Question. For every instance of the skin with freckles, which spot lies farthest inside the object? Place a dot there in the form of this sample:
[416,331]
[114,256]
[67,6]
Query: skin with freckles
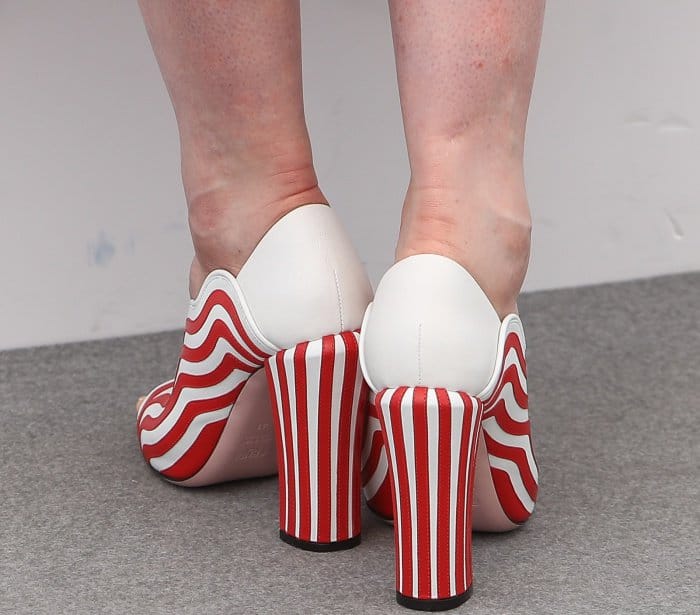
[233,72]
[465,71]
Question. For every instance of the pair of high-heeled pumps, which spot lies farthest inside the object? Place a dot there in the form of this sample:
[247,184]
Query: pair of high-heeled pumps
[420,397]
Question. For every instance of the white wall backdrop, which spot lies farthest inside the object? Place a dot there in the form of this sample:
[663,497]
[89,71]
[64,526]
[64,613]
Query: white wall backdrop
[93,237]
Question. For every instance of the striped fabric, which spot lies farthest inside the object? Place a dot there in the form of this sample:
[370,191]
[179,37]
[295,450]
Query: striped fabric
[506,428]
[319,408]
[375,465]
[180,422]
[431,438]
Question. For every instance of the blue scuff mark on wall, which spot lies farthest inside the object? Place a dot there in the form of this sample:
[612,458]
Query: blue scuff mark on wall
[101,251]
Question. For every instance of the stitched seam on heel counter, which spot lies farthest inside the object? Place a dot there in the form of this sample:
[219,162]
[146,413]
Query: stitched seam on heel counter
[340,300]
[420,348]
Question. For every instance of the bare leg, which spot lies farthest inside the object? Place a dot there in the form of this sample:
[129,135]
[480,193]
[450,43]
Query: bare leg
[233,71]
[465,74]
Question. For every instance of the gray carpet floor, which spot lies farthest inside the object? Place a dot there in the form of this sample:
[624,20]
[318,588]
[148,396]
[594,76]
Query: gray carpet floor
[614,371]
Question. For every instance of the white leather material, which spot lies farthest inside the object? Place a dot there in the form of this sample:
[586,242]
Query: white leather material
[431,325]
[304,279]
[510,324]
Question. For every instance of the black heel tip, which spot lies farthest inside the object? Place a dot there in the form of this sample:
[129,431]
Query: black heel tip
[436,604]
[320,547]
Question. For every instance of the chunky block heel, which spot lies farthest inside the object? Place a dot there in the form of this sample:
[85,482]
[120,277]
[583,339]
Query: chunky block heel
[318,399]
[431,437]
[506,476]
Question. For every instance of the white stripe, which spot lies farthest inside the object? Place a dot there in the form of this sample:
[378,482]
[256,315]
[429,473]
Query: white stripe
[243,312]
[511,468]
[167,389]
[291,389]
[313,384]
[513,359]
[280,413]
[493,429]
[467,411]
[154,409]
[217,312]
[377,479]
[472,411]
[371,427]
[409,446]
[338,372]
[457,403]
[433,429]
[455,441]
[222,349]
[386,399]
[515,412]
[353,438]
[188,394]
[196,308]
[185,442]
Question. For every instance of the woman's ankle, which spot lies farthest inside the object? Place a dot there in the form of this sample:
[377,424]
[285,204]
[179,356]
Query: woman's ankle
[486,231]
[229,211]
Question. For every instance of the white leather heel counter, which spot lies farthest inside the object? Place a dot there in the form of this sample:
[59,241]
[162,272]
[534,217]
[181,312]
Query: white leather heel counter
[304,279]
[430,324]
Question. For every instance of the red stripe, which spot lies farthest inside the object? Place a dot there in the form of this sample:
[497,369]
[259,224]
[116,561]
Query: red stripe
[510,375]
[325,399]
[507,424]
[443,496]
[401,470]
[376,444]
[473,412]
[355,471]
[155,393]
[382,502]
[223,371]
[161,399]
[191,412]
[158,396]
[219,330]
[290,521]
[390,475]
[513,343]
[198,454]
[344,437]
[304,530]
[516,455]
[272,388]
[423,512]
[510,502]
[376,448]
[219,297]
[461,538]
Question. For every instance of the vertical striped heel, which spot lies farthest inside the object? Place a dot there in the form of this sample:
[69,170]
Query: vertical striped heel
[318,398]
[431,436]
